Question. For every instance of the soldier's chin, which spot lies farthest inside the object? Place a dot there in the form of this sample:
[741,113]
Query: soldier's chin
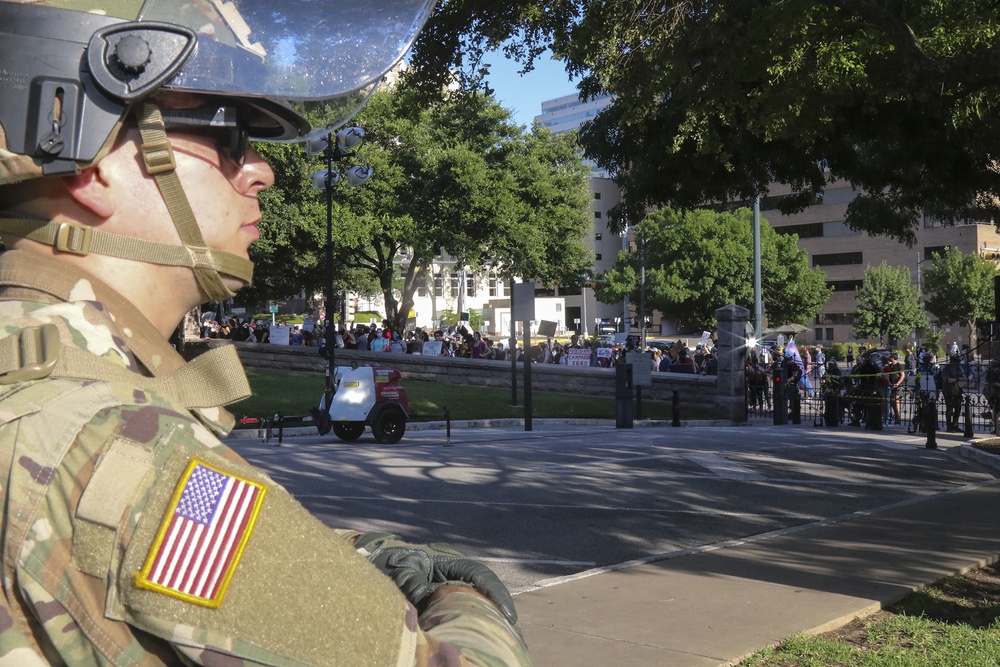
[234,284]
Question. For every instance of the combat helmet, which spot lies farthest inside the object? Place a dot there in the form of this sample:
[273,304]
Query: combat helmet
[72,70]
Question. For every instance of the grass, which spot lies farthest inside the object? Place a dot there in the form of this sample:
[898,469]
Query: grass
[953,622]
[297,393]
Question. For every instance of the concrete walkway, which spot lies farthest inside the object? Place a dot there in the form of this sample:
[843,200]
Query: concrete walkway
[719,604]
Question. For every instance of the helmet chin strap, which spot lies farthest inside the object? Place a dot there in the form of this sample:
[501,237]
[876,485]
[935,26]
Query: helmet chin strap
[208,264]
[158,160]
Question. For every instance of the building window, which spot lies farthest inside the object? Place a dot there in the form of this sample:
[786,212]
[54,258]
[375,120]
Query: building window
[597,215]
[838,259]
[845,285]
[598,257]
[774,202]
[835,318]
[935,250]
[438,284]
[453,284]
[809,231]
[598,237]
[493,285]
[470,285]
[819,334]
[597,195]
[829,333]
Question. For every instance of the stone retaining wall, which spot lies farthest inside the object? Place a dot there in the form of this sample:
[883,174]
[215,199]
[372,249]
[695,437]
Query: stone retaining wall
[694,390]
[724,395]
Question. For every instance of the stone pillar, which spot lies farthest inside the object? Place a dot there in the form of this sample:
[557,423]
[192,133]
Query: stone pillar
[731,349]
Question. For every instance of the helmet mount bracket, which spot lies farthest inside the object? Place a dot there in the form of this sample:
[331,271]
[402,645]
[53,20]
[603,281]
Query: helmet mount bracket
[129,61]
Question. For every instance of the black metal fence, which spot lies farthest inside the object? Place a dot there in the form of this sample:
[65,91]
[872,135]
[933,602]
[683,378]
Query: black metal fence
[860,400]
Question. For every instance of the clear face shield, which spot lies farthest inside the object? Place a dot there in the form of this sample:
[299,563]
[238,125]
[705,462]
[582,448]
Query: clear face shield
[325,56]
[70,71]
[72,68]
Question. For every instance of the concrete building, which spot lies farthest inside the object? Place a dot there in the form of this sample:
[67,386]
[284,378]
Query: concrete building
[843,255]
[585,314]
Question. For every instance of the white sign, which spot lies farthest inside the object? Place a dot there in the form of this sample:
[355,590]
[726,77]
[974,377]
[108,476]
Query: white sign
[578,356]
[309,324]
[432,348]
[642,367]
[705,335]
[279,335]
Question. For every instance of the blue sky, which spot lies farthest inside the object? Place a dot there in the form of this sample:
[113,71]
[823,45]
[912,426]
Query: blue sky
[524,95]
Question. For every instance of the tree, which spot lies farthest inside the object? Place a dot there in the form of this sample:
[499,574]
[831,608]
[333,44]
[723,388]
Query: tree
[715,100]
[699,261]
[959,288]
[455,176]
[887,304]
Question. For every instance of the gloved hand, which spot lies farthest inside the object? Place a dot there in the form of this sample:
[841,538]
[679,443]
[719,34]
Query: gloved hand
[420,569]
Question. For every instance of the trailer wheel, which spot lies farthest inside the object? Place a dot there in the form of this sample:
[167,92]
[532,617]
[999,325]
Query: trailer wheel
[348,431]
[390,425]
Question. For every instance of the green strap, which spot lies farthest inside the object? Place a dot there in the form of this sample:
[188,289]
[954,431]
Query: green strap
[212,379]
[81,240]
[159,161]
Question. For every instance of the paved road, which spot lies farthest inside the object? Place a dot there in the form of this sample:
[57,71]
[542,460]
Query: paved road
[561,500]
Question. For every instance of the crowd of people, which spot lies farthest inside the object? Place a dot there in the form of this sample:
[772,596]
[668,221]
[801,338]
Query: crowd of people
[877,376]
[463,342]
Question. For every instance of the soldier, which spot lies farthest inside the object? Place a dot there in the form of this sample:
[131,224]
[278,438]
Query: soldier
[128,195]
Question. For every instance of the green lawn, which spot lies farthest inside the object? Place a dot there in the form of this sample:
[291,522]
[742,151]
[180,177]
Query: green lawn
[297,393]
[950,623]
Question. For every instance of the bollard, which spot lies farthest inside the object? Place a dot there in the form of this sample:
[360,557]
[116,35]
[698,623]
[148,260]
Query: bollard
[780,413]
[447,422]
[968,418]
[675,404]
[795,401]
[832,413]
[873,415]
[930,423]
[280,421]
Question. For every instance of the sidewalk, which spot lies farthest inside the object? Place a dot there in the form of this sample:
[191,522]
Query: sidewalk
[718,605]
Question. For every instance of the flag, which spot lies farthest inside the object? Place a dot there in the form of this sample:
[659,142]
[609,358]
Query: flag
[792,350]
[201,539]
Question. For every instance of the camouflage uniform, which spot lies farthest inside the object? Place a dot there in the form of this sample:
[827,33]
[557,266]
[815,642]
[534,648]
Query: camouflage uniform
[96,470]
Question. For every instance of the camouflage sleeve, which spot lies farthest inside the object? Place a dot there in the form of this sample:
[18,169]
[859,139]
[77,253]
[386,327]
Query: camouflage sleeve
[142,538]
[468,621]
[472,622]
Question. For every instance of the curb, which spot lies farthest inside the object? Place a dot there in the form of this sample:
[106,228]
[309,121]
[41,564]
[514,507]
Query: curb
[970,451]
[507,422]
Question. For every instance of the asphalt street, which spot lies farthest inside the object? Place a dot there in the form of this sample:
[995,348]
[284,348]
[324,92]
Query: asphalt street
[557,501]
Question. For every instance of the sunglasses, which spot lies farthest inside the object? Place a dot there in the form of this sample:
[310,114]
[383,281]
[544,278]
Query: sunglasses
[224,123]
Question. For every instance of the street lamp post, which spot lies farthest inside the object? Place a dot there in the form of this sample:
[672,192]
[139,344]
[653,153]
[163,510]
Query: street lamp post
[334,147]
[758,299]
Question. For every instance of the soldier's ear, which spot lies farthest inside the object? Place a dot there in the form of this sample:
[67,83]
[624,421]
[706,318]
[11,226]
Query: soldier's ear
[91,189]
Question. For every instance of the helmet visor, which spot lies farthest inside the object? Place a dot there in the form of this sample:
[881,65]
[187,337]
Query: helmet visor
[323,56]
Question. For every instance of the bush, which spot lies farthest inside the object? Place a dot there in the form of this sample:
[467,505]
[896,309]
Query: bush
[836,351]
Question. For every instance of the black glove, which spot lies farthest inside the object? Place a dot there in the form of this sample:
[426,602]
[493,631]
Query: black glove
[420,569]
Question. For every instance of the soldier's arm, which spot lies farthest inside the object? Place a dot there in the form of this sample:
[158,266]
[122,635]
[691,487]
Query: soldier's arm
[271,585]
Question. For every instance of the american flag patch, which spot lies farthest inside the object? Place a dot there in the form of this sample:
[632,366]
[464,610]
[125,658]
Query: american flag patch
[201,539]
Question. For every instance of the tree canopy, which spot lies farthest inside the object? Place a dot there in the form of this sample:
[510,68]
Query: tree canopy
[959,288]
[887,304]
[455,176]
[697,261]
[714,100]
